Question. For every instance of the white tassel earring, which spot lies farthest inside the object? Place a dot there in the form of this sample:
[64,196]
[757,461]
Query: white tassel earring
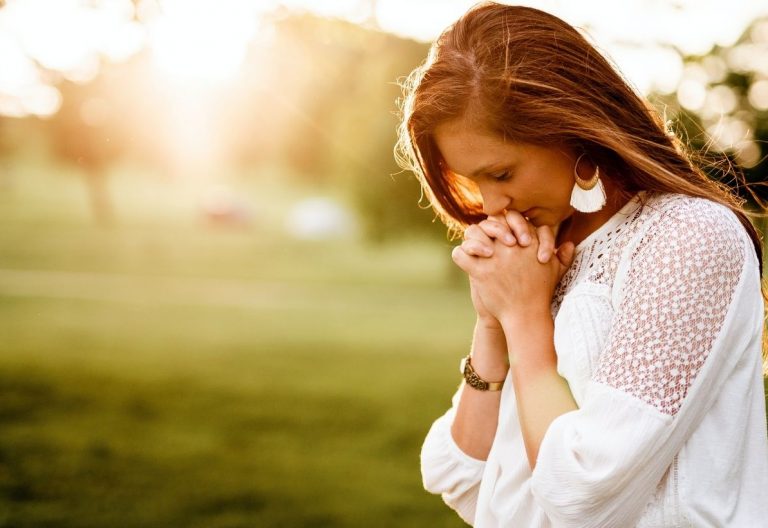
[588,196]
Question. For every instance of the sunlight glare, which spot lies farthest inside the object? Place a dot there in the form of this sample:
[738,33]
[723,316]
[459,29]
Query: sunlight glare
[68,41]
[196,41]
[727,132]
[70,35]
[22,91]
[692,94]
[758,95]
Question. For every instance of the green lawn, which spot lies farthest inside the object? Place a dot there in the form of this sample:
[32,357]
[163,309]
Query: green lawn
[119,414]
[168,373]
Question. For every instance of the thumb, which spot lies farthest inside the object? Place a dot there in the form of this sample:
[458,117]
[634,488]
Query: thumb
[565,254]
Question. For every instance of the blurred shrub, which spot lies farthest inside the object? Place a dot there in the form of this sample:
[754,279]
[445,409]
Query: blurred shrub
[721,108]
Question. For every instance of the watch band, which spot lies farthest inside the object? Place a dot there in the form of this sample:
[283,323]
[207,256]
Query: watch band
[475,381]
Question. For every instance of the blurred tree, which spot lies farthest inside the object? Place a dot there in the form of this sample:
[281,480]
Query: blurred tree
[56,73]
[721,106]
[325,91]
[84,133]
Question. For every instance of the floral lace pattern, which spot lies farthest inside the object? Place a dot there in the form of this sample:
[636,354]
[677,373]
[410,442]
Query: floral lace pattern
[597,263]
[677,291]
[687,257]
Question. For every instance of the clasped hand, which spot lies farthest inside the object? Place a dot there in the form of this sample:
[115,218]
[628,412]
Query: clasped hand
[512,274]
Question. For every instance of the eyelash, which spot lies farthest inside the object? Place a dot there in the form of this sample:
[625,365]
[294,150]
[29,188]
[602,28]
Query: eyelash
[501,176]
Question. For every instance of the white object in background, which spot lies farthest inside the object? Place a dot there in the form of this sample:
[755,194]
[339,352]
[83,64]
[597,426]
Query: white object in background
[320,218]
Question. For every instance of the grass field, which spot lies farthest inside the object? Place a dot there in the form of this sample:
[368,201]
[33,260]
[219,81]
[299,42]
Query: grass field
[167,373]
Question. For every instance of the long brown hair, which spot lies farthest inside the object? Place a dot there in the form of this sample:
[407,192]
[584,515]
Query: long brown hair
[528,76]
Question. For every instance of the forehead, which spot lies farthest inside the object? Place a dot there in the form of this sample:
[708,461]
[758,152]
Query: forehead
[466,149]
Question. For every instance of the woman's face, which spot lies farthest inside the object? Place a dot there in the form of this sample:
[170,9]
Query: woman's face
[535,181]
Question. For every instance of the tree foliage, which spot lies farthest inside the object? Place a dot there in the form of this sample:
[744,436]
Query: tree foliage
[721,110]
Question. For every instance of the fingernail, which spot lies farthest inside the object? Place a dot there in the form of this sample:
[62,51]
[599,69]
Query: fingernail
[526,238]
[509,239]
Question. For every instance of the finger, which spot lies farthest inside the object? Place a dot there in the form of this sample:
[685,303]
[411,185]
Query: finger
[476,248]
[469,230]
[546,243]
[475,232]
[461,258]
[565,254]
[520,227]
[499,230]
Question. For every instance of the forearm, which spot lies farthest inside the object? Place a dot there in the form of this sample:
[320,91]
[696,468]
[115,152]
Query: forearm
[477,414]
[541,393]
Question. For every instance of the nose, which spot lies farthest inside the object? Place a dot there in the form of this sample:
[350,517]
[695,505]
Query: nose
[494,201]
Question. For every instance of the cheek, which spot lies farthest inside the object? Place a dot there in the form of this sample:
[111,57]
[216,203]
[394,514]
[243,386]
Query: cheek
[558,195]
[564,188]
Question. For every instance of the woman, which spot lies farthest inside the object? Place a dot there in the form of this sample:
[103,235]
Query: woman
[615,376]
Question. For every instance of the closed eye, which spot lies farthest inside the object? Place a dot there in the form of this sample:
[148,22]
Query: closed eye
[501,176]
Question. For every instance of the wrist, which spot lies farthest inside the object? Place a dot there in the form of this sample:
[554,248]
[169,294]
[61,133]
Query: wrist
[489,352]
[488,368]
[530,342]
[524,322]
[489,323]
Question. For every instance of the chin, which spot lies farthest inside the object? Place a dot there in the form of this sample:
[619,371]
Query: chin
[546,220]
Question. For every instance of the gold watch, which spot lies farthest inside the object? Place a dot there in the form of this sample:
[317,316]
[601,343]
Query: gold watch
[475,381]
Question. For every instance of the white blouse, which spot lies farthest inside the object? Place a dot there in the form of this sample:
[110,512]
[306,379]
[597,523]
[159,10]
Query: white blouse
[658,327]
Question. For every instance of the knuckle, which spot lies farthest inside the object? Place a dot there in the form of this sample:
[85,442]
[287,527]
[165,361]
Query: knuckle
[469,247]
[490,225]
[514,215]
[471,231]
[488,231]
[496,217]
[520,225]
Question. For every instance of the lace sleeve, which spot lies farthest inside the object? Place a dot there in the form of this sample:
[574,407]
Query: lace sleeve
[685,312]
[677,291]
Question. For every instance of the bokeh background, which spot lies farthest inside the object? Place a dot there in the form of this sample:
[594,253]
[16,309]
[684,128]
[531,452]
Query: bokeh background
[221,303]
